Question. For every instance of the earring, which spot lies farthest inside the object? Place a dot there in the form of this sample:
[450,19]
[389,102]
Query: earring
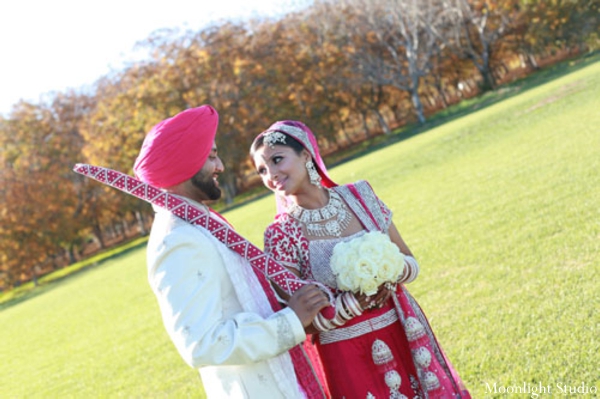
[313,175]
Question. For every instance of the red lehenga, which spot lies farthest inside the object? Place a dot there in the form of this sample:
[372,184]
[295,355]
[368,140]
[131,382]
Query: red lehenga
[384,353]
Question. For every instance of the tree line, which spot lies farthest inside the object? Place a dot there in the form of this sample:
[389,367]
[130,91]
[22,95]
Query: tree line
[350,69]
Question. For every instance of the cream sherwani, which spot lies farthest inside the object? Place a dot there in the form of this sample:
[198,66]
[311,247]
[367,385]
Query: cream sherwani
[217,315]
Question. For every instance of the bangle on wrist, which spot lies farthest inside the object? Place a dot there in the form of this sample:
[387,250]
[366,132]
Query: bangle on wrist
[352,304]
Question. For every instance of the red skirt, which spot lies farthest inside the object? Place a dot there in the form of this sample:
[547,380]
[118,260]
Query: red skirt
[388,352]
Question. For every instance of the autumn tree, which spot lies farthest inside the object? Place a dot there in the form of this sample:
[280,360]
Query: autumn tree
[476,31]
[312,74]
[347,68]
[391,42]
[543,27]
[41,214]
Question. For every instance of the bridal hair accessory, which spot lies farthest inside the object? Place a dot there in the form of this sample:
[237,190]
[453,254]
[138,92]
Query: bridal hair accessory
[329,220]
[313,175]
[197,216]
[272,138]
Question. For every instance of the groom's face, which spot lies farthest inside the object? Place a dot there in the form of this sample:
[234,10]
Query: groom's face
[206,178]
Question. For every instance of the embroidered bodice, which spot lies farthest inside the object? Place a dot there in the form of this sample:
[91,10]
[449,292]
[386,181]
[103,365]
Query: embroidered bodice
[287,243]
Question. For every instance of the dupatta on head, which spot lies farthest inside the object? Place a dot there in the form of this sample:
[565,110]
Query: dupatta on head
[304,136]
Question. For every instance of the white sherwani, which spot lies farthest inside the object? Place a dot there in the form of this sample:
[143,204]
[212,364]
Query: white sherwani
[217,315]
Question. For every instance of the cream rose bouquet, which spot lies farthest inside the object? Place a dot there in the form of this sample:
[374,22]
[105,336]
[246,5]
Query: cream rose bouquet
[364,263]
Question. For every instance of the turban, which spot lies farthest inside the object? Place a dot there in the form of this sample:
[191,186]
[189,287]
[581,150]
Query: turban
[177,148]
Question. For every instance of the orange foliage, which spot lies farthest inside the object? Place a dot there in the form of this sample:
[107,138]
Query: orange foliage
[333,65]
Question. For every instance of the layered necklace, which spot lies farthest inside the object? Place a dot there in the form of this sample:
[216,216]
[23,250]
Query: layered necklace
[329,220]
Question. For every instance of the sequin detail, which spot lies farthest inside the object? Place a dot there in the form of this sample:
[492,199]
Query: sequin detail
[381,353]
[285,334]
[414,329]
[362,328]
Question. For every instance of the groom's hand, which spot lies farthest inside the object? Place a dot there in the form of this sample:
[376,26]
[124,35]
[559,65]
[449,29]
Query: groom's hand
[307,302]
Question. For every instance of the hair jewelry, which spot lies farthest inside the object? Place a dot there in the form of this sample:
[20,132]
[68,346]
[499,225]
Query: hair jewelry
[273,137]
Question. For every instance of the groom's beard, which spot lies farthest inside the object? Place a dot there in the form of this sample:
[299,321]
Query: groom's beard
[207,185]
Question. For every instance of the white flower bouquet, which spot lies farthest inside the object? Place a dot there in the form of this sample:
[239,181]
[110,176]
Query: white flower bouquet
[364,263]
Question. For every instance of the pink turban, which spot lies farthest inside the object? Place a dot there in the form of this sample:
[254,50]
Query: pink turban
[177,148]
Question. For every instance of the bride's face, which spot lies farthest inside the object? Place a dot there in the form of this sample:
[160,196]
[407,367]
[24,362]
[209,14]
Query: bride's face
[282,169]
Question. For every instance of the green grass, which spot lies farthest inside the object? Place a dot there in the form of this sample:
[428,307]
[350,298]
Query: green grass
[96,334]
[500,206]
[29,289]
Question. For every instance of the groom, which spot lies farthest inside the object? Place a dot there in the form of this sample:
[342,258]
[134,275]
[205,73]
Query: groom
[222,317]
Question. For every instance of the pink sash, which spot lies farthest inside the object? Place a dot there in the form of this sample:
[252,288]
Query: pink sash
[187,211]
[263,265]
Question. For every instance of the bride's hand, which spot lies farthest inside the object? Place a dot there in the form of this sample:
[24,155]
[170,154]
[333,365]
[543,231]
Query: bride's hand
[384,293]
[363,300]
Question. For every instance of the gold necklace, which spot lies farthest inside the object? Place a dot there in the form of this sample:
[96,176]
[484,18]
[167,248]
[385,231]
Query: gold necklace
[329,220]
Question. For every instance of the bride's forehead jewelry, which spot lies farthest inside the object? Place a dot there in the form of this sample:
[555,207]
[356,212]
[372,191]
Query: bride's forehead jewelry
[272,138]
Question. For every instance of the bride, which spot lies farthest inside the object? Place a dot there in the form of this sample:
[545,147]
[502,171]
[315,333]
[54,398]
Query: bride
[378,346]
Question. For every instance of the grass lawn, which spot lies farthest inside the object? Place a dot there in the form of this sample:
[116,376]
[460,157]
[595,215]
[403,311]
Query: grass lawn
[501,207]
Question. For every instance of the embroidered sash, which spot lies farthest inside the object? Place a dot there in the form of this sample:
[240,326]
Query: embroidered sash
[358,196]
[195,215]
